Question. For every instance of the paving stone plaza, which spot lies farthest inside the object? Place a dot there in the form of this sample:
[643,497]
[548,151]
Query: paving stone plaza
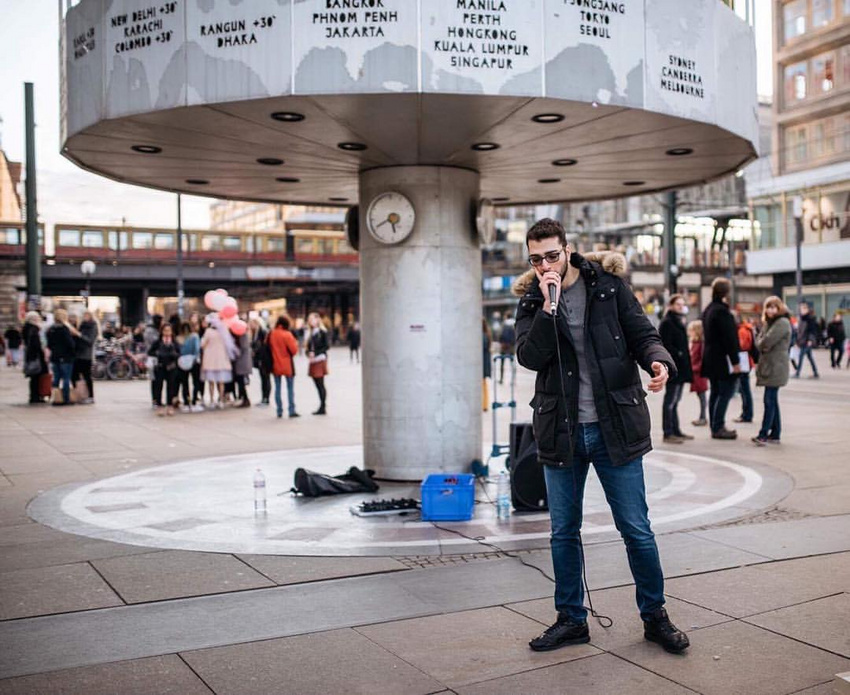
[124,571]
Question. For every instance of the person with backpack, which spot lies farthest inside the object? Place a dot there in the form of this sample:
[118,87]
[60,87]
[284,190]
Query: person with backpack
[283,347]
[747,343]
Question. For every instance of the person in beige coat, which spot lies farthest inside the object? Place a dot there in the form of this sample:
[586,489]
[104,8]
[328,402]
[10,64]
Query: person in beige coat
[773,367]
[216,369]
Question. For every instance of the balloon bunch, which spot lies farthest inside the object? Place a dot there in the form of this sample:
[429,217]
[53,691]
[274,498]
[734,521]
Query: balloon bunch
[218,300]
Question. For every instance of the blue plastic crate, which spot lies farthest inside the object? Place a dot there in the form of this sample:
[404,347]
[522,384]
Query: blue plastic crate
[448,497]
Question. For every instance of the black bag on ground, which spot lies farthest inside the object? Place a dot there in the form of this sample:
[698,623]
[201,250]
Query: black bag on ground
[312,484]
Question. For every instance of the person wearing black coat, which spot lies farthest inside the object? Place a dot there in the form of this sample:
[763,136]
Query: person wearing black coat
[167,353]
[675,338]
[60,342]
[835,336]
[807,339]
[589,407]
[721,350]
[317,353]
[84,353]
[34,352]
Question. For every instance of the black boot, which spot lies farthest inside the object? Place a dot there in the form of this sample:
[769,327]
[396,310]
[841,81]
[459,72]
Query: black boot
[659,629]
[565,631]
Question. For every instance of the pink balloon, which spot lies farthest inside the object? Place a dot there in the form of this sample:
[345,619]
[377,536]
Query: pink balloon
[227,323]
[230,301]
[209,299]
[227,311]
[217,301]
[221,291]
[238,327]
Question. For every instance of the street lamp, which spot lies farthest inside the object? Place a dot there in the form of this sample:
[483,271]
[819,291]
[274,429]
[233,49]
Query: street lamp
[88,268]
[798,233]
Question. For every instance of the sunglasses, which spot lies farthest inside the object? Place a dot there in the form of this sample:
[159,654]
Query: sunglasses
[550,257]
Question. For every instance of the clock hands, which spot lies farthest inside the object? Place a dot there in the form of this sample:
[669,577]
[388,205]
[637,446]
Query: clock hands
[393,218]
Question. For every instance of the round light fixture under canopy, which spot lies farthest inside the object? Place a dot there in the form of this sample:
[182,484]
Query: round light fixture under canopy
[548,180]
[680,151]
[197,182]
[634,183]
[566,162]
[287,116]
[146,149]
[352,146]
[270,161]
[485,146]
[287,179]
[548,118]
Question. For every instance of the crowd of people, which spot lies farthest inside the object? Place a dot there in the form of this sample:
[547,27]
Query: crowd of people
[202,364]
[716,354]
[195,365]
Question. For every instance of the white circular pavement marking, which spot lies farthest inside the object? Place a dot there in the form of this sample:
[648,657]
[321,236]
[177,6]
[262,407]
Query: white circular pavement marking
[207,504]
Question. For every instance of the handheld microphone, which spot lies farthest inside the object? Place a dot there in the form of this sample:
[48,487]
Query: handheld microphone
[553,298]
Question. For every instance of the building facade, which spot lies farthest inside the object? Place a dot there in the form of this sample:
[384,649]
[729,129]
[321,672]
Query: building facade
[803,185]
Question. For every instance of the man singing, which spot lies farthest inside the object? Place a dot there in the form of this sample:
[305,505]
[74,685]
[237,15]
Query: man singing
[589,407]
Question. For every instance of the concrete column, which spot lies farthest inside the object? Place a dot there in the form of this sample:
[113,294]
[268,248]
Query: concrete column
[421,327]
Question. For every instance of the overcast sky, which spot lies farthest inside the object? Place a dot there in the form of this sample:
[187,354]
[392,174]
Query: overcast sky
[29,40]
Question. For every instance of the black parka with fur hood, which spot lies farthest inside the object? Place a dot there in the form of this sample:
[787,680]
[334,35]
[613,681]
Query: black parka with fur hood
[619,338]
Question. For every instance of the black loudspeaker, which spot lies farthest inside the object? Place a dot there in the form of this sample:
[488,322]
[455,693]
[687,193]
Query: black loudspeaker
[528,485]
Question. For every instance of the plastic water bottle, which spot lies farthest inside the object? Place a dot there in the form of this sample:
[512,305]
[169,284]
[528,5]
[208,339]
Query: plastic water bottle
[259,492]
[503,497]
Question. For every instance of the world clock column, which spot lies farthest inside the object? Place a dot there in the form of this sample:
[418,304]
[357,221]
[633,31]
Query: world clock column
[420,321]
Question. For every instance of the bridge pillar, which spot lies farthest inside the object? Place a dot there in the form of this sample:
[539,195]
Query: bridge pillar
[133,304]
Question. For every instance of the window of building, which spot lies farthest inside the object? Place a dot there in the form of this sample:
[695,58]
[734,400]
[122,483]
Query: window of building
[69,237]
[822,13]
[344,248]
[795,82]
[847,8]
[142,240]
[844,65]
[823,73]
[163,241]
[326,246]
[92,239]
[796,147]
[794,18]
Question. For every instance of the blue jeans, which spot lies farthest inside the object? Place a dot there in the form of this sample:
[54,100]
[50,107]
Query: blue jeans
[626,495]
[718,401]
[806,351]
[746,396]
[670,413]
[290,393]
[771,424]
[62,370]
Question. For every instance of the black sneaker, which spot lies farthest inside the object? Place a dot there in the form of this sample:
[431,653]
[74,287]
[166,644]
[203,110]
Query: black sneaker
[660,630]
[565,631]
[724,434]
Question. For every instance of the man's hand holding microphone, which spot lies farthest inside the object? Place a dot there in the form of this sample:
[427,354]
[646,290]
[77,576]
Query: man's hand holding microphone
[550,286]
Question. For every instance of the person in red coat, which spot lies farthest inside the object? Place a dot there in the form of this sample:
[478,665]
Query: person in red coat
[283,347]
[699,384]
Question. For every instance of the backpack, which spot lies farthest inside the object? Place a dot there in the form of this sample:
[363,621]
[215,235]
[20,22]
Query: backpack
[312,484]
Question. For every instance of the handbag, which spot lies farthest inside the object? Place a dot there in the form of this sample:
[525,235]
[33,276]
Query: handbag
[80,392]
[56,396]
[186,362]
[32,367]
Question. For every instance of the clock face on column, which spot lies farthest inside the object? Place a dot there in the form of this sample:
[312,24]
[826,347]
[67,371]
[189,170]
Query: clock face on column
[390,217]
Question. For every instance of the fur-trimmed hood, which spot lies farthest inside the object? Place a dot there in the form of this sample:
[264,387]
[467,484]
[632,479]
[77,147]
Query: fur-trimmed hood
[611,262]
